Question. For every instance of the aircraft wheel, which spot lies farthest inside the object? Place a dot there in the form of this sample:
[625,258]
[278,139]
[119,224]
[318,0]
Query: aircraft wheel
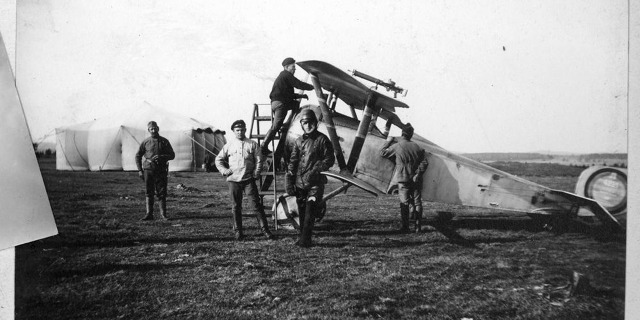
[606,185]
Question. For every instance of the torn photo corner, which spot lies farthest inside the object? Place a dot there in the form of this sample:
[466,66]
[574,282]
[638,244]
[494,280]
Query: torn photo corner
[25,210]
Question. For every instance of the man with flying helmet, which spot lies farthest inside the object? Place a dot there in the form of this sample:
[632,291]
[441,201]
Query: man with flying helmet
[311,154]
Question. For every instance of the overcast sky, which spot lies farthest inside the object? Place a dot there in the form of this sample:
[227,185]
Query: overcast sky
[483,76]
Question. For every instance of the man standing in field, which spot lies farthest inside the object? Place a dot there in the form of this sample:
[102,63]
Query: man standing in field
[157,152]
[312,153]
[283,98]
[240,161]
[411,163]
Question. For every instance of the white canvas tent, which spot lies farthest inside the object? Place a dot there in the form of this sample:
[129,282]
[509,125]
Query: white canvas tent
[111,143]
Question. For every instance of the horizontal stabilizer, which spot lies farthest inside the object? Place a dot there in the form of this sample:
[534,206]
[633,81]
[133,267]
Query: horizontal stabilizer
[598,210]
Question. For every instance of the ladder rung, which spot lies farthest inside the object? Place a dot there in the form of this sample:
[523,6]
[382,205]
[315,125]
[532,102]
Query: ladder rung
[261,136]
[263,118]
[267,173]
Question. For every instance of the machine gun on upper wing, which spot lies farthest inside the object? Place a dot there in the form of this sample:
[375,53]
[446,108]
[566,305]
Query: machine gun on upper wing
[390,85]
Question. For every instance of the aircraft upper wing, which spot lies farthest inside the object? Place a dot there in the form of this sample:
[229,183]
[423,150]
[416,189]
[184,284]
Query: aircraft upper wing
[347,88]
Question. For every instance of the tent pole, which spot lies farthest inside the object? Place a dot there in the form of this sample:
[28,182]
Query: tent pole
[193,153]
[109,153]
[64,154]
[213,153]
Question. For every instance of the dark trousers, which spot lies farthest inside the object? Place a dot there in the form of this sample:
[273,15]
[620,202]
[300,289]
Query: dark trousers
[279,112]
[310,198]
[236,190]
[410,194]
[156,183]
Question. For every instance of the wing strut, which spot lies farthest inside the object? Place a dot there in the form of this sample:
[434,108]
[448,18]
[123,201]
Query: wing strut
[363,129]
[328,120]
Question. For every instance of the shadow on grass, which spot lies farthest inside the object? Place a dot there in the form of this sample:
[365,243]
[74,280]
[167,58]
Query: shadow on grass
[598,231]
[523,224]
[104,269]
[346,228]
[199,217]
[121,243]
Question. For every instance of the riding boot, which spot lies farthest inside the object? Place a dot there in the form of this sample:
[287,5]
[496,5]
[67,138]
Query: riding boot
[264,226]
[404,217]
[237,225]
[307,225]
[163,209]
[418,220]
[149,205]
[301,214]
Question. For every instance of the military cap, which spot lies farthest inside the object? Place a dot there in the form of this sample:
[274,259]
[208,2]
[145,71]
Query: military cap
[407,130]
[152,124]
[238,124]
[287,61]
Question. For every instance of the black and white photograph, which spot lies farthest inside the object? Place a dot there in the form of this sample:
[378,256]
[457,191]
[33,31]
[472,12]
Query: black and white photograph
[318,159]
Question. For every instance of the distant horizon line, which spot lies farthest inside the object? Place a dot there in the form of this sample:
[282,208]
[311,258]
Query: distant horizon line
[51,145]
[544,152]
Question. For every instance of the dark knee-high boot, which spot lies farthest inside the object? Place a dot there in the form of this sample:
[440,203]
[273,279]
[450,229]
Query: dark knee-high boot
[149,207]
[264,226]
[307,224]
[404,217]
[418,220]
[163,208]
[237,224]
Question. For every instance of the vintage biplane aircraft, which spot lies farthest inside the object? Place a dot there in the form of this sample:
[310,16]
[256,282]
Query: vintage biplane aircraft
[449,178]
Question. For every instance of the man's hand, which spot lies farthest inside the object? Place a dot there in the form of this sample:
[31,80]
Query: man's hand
[155,158]
[227,172]
[141,175]
[290,189]
[390,140]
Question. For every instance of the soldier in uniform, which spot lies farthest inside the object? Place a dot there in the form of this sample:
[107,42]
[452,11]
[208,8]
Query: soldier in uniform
[240,161]
[312,153]
[157,152]
[411,163]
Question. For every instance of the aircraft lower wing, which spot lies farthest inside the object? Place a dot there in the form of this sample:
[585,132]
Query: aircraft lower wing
[287,208]
[347,178]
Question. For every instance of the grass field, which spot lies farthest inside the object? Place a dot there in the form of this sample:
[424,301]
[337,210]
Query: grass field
[105,264]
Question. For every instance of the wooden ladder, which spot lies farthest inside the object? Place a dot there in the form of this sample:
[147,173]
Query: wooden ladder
[271,182]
